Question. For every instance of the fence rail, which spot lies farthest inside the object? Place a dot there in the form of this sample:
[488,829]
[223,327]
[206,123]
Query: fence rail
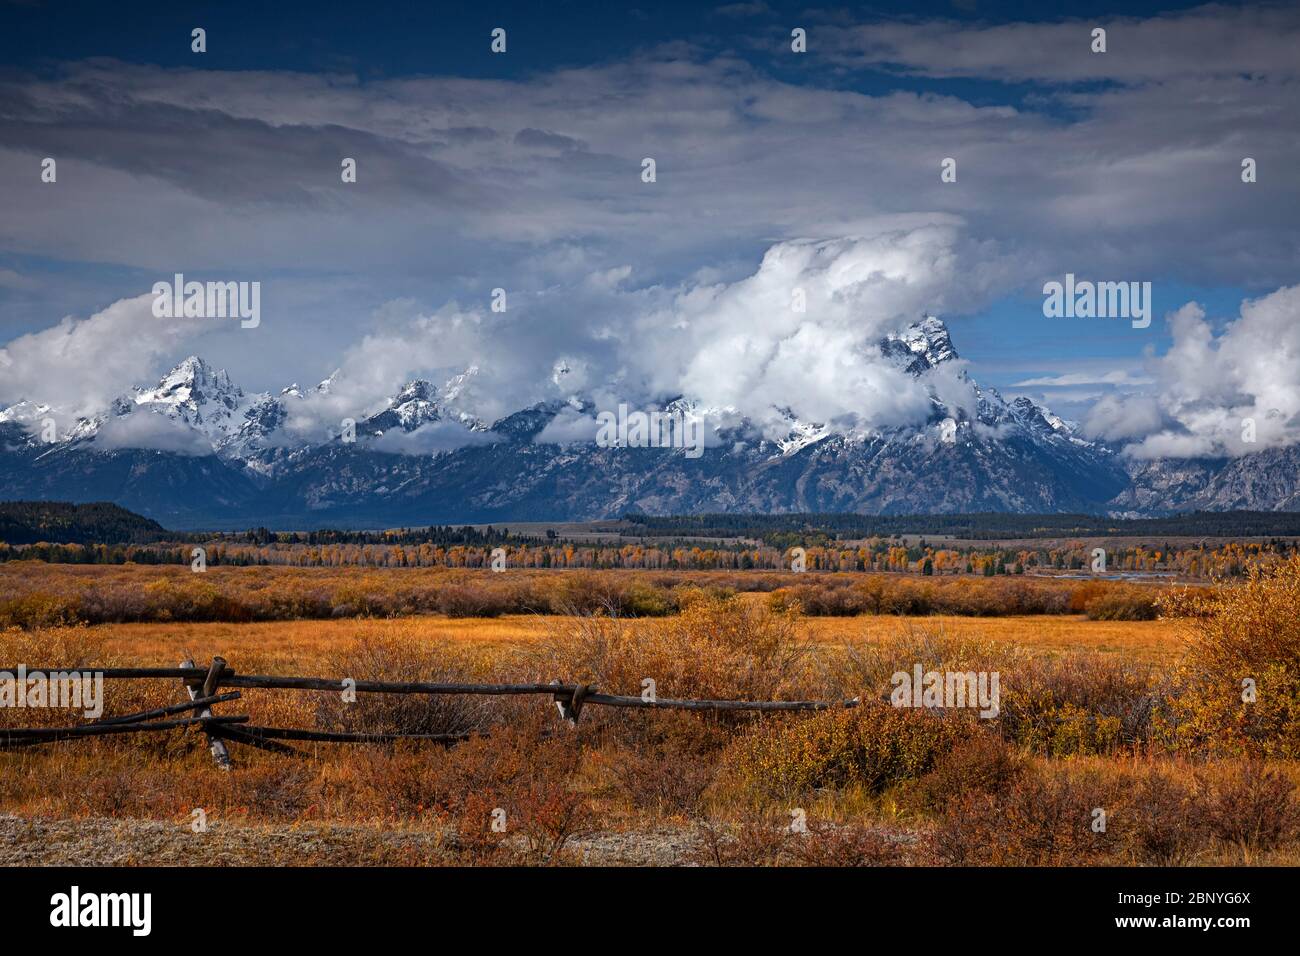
[203,683]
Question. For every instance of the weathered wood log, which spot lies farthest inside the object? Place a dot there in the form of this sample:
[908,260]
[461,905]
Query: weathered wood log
[569,703]
[46,734]
[216,745]
[385,687]
[196,704]
[237,735]
[215,670]
[230,678]
[124,673]
[612,700]
[342,737]
[562,693]
[202,685]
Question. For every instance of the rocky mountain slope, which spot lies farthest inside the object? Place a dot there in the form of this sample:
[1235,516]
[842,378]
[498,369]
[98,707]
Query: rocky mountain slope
[239,466]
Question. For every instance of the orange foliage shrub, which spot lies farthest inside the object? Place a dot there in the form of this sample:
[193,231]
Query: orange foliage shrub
[1238,691]
[872,746]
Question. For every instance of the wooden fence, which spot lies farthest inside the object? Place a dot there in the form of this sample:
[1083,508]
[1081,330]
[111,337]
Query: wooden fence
[203,686]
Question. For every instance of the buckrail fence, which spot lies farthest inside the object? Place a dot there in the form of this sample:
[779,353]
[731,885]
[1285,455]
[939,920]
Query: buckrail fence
[203,685]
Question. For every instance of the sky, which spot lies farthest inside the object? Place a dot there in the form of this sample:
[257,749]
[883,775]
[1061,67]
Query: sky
[774,170]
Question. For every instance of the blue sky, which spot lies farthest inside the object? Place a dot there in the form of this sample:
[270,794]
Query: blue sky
[521,171]
[403,39]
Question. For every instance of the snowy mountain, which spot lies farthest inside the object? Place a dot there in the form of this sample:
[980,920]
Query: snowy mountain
[195,395]
[236,465]
[421,403]
[922,346]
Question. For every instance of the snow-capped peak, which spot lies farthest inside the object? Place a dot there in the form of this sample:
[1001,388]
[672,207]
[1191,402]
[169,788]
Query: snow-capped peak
[420,402]
[25,412]
[802,434]
[192,384]
[922,345]
[415,405]
[206,400]
[457,385]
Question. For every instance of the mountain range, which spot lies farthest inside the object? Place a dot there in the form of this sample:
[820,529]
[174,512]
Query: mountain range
[226,460]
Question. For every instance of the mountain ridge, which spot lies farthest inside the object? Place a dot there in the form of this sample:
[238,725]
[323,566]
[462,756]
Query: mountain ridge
[237,465]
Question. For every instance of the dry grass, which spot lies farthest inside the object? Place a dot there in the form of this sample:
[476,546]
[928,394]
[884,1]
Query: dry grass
[1149,641]
[289,641]
[878,786]
[36,594]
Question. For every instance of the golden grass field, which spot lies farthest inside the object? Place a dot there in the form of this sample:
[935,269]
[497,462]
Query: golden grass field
[164,644]
[1095,713]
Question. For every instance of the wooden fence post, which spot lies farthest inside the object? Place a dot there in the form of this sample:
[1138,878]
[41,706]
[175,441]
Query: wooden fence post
[570,705]
[210,683]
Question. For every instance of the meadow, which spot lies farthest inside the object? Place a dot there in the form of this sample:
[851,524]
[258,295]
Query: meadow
[1105,707]
[37,594]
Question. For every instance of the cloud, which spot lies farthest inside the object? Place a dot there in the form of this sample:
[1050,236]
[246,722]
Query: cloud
[80,365]
[403,343]
[153,431]
[431,439]
[650,290]
[1119,418]
[457,172]
[9,279]
[1070,379]
[745,346]
[738,349]
[569,426]
[1216,391]
[740,346]
[757,8]
[1208,40]
[541,139]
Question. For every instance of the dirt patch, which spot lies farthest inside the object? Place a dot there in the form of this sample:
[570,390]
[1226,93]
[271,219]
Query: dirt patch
[102,841]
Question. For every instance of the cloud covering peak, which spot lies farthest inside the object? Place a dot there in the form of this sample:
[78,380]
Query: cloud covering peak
[1229,393]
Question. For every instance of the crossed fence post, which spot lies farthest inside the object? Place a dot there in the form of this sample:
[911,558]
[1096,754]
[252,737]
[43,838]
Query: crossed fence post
[202,689]
[208,689]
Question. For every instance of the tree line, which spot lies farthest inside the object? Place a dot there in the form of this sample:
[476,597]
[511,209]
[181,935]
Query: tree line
[874,555]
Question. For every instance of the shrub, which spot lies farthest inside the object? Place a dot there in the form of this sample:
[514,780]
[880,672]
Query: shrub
[766,839]
[818,600]
[983,763]
[1079,704]
[586,592]
[840,845]
[758,840]
[461,600]
[37,609]
[872,746]
[645,600]
[522,779]
[866,669]
[717,648]
[661,781]
[1254,808]
[383,658]
[279,791]
[1248,632]
[1122,604]
[1160,822]
[1043,819]
[687,594]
